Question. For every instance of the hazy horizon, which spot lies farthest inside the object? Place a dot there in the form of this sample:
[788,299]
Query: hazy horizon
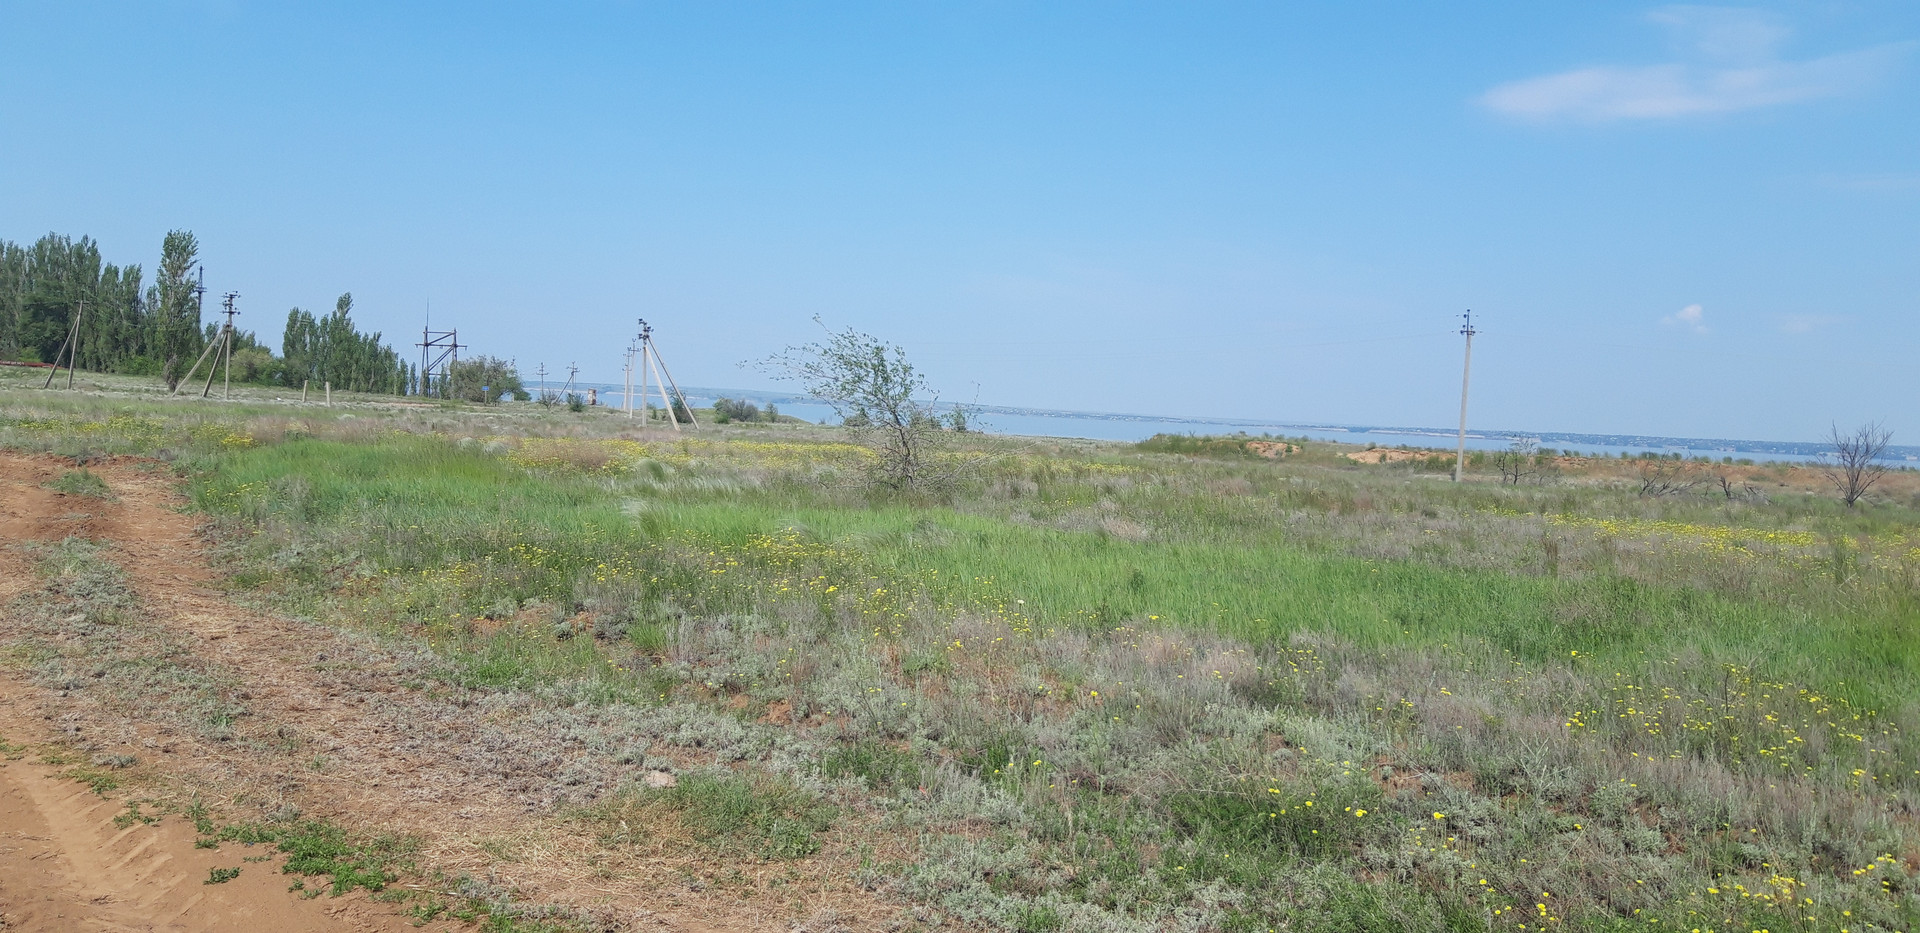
[1442,435]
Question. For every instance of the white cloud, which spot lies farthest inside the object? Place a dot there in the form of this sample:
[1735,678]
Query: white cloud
[1690,317]
[1719,33]
[1730,62]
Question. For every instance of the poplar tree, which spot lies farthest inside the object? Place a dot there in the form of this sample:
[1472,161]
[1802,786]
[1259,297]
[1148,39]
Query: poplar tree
[43,286]
[174,327]
[331,350]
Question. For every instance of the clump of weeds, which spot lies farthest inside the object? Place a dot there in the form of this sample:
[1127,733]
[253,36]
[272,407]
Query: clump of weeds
[82,482]
[737,813]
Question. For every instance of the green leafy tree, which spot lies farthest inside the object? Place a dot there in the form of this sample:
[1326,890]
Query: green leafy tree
[44,285]
[64,275]
[728,410]
[486,379]
[330,350]
[174,326]
[128,328]
[13,278]
[113,329]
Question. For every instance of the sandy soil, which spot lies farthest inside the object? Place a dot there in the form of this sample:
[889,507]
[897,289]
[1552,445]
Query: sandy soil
[328,729]
[65,865]
[64,862]
[1388,455]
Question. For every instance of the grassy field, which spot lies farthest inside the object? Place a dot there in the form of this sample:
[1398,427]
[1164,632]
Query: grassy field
[1104,687]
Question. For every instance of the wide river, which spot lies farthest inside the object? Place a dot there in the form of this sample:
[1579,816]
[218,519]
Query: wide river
[1113,427]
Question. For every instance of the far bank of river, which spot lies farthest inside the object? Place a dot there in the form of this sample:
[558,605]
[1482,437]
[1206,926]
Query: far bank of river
[1120,427]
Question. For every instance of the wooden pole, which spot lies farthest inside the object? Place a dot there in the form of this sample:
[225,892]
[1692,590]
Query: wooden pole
[329,387]
[303,390]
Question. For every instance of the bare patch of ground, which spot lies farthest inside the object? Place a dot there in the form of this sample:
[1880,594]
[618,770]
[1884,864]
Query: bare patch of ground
[1388,455]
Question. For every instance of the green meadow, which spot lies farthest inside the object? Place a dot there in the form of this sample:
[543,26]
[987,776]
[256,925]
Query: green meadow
[1089,686]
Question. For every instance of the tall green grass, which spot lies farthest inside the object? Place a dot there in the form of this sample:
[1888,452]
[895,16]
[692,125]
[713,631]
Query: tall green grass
[408,504]
[1262,587]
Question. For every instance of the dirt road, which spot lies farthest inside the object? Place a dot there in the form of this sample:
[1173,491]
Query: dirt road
[326,728]
[66,864]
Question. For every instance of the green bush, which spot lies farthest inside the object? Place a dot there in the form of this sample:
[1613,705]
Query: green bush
[1269,822]
[728,410]
[1196,445]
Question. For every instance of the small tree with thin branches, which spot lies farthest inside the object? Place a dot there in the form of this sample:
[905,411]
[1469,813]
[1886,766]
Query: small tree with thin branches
[1855,464]
[871,386]
[1517,462]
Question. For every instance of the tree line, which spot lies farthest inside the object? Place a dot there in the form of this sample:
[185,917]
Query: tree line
[127,326]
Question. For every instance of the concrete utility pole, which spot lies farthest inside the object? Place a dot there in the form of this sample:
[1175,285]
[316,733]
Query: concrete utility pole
[219,350]
[226,334]
[73,356]
[649,349]
[1466,372]
[439,349]
[646,370]
[626,387]
[69,348]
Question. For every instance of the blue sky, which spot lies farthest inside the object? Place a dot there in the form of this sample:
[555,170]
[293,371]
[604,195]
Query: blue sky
[1682,220]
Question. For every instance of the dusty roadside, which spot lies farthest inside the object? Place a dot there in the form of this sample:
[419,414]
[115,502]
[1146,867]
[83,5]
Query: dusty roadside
[323,722]
[73,859]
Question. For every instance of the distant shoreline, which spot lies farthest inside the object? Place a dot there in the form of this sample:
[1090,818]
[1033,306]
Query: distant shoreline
[1383,435]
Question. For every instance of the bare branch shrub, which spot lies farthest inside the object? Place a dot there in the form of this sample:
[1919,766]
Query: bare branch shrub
[1664,477]
[871,386]
[1855,465]
[1517,461]
[1735,487]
